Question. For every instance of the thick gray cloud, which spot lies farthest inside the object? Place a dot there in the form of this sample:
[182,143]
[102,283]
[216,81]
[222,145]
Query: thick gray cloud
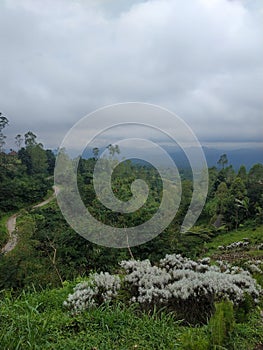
[202,59]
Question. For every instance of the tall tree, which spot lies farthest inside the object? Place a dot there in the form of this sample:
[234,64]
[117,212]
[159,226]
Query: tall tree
[51,160]
[239,208]
[38,159]
[222,198]
[242,173]
[3,123]
[222,160]
[95,152]
[33,155]
[19,140]
[2,142]
[255,188]
[238,188]
[30,139]
[113,150]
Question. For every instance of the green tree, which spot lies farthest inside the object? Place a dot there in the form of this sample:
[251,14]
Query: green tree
[256,173]
[222,198]
[242,173]
[30,139]
[113,149]
[39,164]
[222,160]
[34,157]
[3,123]
[51,160]
[255,188]
[19,140]
[95,152]
[239,200]
[25,159]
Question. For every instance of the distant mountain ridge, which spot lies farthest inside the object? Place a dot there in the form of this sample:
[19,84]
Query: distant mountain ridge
[237,157]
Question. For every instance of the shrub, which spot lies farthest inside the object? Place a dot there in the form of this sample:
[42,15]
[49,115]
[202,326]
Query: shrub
[98,289]
[240,245]
[186,287]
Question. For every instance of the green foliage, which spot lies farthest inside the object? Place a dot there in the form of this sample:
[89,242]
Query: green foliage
[51,160]
[194,339]
[259,278]
[221,325]
[242,311]
[222,160]
[38,321]
[60,253]
[226,238]
[249,334]
[35,159]
[242,173]
[3,230]
[3,123]
[38,158]
[191,244]
[48,252]
[18,188]
[236,198]
[255,191]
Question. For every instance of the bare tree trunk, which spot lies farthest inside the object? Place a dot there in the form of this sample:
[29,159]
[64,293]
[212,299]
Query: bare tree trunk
[53,260]
[128,246]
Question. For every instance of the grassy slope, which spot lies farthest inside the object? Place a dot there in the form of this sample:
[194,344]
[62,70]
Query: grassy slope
[255,236]
[38,321]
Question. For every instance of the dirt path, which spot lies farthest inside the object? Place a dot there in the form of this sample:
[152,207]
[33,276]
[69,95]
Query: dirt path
[47,200]
[11,225]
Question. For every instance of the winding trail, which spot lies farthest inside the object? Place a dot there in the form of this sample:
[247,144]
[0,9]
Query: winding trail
[11,225]
[11,228]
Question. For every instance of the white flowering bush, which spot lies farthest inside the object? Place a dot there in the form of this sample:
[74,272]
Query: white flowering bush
[189,288]
[240,245]
[99,288]
[255,266]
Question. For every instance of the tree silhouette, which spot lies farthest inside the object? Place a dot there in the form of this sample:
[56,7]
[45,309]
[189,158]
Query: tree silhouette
[222,160]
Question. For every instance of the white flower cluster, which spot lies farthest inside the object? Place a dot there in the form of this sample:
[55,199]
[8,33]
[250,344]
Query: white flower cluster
[176,261]
[255,266]
[178,278]
[149,280]
[236,245]
[99,288]
[177,283]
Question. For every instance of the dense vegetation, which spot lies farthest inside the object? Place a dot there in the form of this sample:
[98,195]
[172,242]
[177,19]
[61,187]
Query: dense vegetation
[24,175]
[49,254]
[38,321]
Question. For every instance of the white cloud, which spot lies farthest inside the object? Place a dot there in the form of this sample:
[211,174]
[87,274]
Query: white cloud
[201,59]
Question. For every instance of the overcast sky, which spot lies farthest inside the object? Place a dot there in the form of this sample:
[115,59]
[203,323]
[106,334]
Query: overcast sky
[201,59]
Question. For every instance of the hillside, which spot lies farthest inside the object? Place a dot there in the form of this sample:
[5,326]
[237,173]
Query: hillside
[201,289]
[38,320]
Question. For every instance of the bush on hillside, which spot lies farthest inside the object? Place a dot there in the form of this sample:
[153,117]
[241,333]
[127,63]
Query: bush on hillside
[181,285]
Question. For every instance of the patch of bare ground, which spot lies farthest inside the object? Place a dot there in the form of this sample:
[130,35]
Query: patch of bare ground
[11,225]
[232,257]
